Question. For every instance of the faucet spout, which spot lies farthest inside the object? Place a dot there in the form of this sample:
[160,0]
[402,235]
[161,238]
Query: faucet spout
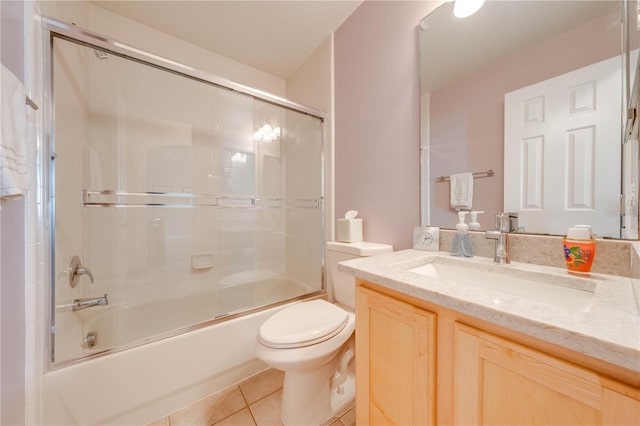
[505,223]
[502,246]
[80,304]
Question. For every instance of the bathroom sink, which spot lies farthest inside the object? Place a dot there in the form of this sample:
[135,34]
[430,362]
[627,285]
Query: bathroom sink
[572,293]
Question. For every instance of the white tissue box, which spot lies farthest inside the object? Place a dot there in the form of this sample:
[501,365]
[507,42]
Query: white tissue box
[349,230]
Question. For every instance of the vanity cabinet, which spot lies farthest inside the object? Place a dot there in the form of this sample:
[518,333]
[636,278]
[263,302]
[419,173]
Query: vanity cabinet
[395,365]
[474,372]
[498,381]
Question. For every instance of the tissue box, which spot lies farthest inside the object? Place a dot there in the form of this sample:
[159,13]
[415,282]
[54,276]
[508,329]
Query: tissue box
[349,230]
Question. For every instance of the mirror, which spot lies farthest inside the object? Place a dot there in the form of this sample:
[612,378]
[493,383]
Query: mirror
[519,88]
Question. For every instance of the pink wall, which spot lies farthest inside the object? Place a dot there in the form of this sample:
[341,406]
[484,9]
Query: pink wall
[12,249]
[467,117]
[377,128]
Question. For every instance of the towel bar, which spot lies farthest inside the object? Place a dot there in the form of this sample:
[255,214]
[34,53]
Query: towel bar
[487,173]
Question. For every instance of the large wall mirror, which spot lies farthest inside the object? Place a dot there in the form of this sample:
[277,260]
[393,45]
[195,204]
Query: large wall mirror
[532,97]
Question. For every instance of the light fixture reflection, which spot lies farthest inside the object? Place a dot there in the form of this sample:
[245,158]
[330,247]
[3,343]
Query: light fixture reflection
[464,8]
[239,158]
[266,133]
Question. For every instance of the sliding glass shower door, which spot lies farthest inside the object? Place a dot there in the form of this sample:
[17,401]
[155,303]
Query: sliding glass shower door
[181,200]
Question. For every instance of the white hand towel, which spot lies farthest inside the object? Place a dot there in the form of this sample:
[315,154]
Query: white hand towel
[13,135]
[461,191]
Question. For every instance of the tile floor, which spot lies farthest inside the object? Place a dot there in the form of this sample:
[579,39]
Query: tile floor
[253,402]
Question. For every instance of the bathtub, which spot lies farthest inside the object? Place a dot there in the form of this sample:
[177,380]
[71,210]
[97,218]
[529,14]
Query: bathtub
[144,383]
[129,325]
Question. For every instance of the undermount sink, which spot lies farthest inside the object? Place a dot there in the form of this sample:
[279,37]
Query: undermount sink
[572,293]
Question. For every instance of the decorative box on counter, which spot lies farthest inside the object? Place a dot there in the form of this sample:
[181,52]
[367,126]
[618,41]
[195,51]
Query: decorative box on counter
[349,229]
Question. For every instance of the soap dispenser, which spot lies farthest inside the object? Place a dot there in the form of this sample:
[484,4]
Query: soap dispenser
[579,249]
[461,242]
[474,225]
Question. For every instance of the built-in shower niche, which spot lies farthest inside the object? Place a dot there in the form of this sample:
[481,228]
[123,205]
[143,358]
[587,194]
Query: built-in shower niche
[187,201]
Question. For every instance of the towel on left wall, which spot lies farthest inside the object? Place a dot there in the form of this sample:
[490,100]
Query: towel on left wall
[13,135]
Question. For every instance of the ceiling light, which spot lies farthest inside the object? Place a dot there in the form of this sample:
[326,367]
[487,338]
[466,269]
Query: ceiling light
[464,8]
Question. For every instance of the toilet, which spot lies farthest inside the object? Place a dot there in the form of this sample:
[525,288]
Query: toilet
[313,343]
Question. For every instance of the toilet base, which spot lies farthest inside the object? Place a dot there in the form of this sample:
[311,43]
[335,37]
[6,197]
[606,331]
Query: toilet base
[313,398]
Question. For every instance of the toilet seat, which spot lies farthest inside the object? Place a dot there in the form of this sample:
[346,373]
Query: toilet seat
[303,324]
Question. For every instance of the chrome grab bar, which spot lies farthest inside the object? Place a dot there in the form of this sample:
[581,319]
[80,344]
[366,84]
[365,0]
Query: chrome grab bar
[80,304]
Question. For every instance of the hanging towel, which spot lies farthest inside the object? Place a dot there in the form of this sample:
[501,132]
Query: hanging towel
[13,135]
[461,191]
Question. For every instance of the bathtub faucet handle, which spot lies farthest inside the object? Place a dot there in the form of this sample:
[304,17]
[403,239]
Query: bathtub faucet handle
[76,270]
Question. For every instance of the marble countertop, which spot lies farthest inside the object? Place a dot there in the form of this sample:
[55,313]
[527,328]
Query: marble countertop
[608,328]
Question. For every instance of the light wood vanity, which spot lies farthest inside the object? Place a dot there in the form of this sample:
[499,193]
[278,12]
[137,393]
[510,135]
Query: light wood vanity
[420,363]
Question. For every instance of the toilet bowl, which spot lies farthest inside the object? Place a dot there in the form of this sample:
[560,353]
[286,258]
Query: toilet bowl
[313,343]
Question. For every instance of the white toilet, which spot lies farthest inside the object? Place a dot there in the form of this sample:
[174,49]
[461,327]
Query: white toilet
[313,343]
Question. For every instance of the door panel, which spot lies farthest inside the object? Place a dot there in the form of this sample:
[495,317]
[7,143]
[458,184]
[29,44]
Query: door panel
[562,151]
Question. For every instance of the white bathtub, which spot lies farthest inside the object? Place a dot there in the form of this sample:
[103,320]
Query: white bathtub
[120,325]
[147,382]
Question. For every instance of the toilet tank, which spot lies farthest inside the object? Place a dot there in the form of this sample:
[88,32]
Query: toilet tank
[341,287]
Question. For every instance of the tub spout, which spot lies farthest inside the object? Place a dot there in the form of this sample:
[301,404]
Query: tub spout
[80,304]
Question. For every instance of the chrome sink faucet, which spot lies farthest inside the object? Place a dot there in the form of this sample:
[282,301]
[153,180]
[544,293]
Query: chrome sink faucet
[505,224]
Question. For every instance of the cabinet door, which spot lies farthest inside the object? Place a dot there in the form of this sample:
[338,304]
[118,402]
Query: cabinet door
[620,404]
[501,382]
[395,361]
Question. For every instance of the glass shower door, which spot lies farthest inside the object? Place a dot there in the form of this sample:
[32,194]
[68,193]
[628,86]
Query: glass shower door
[187,201]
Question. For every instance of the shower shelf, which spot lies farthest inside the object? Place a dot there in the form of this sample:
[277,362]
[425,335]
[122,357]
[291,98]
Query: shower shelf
[94,198]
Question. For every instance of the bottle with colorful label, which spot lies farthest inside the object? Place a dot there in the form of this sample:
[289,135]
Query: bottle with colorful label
[579,249]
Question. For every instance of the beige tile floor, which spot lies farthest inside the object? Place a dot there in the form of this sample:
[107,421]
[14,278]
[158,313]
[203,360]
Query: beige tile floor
[253,402]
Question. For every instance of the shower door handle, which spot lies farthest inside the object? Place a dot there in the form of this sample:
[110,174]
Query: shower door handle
[76,270]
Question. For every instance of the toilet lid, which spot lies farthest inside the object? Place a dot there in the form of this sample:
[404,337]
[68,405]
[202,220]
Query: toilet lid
[303,324]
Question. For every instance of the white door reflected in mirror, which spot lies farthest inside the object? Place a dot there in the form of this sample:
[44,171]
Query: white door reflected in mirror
[561,164]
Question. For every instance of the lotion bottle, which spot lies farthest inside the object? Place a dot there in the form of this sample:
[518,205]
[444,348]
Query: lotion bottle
[579,249]
[474,225]
[461,242]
